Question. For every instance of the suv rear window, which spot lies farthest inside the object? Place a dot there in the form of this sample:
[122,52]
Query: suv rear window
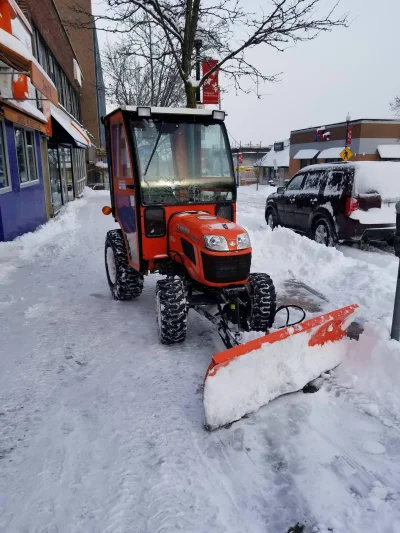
[312,182]
[337,182]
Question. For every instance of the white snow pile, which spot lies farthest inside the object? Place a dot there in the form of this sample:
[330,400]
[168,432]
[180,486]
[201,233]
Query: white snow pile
[254,379]
[373,368]
[30,246]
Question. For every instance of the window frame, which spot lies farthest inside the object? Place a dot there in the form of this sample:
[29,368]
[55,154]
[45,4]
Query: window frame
[30,181]
[7,189]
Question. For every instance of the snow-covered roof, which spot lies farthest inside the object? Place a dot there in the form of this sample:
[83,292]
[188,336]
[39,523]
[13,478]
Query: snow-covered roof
[389,151]
[331,153]
[272,159]
[308,153]
[170,110]
[70,126]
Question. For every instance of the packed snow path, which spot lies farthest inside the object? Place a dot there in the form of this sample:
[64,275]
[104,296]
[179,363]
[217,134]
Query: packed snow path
[101,427]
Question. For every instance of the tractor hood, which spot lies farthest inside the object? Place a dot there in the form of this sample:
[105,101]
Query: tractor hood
[194,226]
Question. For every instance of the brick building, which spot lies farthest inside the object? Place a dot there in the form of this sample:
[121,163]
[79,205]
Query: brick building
[371,140]
[77,20]
[42,141]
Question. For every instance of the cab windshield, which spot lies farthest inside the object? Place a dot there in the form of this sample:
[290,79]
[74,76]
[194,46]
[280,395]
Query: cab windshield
[183,162]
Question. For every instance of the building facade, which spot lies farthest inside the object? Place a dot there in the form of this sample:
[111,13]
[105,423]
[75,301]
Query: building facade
[77,19]
[274,166]
[244,159]
[368,139]
[43,144]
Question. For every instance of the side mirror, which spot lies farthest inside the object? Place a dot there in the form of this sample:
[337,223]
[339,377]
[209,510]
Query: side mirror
[281,190]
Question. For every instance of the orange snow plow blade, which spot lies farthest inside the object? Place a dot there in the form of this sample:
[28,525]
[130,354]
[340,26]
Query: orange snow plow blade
[241,379]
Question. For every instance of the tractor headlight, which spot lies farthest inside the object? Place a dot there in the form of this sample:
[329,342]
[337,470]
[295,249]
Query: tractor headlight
[243,241]
[216,243]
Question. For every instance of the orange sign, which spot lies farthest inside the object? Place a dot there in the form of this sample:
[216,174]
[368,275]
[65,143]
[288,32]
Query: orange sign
[15,116]
[42,84]
[47,114]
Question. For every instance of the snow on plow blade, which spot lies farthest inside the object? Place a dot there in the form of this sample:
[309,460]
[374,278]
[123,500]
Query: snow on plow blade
[244,378]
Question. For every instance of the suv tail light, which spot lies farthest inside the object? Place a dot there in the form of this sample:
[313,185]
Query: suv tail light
[351,205]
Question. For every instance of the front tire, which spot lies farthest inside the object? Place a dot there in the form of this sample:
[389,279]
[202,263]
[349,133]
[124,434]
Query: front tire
[172,310]
[124,281]
[323,232]
[262,302]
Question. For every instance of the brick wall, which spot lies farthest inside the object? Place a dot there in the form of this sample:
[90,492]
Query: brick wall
[45,17]
[82,41]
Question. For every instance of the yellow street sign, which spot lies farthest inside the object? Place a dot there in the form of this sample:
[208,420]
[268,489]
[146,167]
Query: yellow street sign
[346,154]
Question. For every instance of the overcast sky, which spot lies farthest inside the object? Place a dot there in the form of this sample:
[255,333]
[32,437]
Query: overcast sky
[355,69]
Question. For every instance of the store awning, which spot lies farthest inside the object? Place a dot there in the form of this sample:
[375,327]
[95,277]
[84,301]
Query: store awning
[71,132]
[25,114]
[18,57]
[389,151]
[331,153]
[308,153]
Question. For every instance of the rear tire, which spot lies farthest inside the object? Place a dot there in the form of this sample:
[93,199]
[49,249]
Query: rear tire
[323,232]
[271,217]
[172,310]
[124,281]
[262,302]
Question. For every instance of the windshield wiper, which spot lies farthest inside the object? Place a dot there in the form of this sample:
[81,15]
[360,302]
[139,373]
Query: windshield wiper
[154,149]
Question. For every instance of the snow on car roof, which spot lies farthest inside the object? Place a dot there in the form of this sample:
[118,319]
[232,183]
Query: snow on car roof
[382,177]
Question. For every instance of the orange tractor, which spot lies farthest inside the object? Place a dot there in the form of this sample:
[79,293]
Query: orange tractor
[173,193]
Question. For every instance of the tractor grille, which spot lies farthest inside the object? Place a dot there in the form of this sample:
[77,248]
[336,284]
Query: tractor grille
[227,269]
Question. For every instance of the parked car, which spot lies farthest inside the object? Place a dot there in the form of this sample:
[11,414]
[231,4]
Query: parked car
[339,202]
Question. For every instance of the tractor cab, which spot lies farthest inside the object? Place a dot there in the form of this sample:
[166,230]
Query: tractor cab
[166,161]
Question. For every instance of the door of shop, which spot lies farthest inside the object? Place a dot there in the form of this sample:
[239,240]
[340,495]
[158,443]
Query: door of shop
[55,178]
[66,173]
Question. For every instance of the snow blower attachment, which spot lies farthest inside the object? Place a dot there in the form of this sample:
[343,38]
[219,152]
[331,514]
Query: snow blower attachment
[173,193]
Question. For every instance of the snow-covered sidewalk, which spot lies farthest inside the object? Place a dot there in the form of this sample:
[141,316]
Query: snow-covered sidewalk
[101,427]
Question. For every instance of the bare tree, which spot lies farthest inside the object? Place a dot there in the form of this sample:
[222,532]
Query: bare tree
[138,70]
[226,28]
[395,106]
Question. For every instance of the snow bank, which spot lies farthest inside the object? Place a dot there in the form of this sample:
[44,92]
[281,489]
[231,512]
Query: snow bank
[373,368]
[48,237]
[246,191]
[342,280]
[254,379]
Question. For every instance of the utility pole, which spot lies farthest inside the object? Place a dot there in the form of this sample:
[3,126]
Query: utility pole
[395,333]
[198,44]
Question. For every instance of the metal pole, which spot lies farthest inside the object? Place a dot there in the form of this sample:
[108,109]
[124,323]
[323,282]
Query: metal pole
[395,333]
[197,44]
[347,133]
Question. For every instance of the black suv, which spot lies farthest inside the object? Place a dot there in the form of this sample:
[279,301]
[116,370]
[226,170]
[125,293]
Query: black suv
[339,202]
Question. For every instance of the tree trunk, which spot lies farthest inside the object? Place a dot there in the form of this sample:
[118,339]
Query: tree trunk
[190,96]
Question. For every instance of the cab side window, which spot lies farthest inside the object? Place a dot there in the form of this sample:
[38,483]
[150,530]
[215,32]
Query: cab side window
[295,184]
[121,161]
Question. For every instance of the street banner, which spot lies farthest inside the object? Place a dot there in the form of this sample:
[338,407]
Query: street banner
[210,86]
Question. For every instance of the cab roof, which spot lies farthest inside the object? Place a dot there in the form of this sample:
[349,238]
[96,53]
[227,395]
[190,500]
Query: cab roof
[166,110]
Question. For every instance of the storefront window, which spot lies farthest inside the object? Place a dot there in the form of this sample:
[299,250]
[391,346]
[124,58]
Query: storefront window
[25,146]
[21,156]
[4,178]
[55,179]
